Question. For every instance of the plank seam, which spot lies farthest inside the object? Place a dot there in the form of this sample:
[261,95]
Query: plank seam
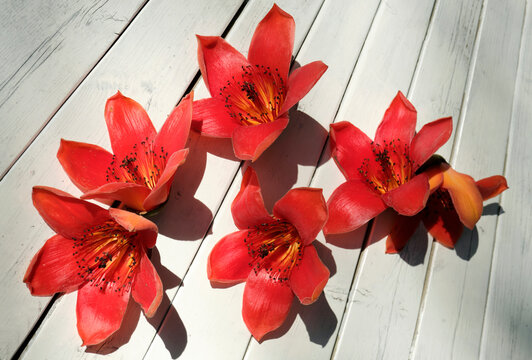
[69,95]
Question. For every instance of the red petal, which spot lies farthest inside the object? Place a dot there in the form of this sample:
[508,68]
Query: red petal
[491,186]
[399,121]
[273,41]
[352,205]
[132,195]
[229,259]
[66,215]
[305,208]
[174,134]
[349,148]
[402,231]
[159,194]
[249,142]
[218,62]
[300,82]
[210,118]
[309,277]
[147,289]
[409,198]
[248,206]
[443,224]
[465,195]
[85,164]
[128,124]
[53,269]
[99,312]
[266,303]
[136,223]
[429,139]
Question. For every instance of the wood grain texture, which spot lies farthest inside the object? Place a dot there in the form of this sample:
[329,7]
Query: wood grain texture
[153,62]
[452,313]
[46,49]
[507,324]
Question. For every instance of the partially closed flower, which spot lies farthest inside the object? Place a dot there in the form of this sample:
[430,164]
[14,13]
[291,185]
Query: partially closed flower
[251,97]
[273,254]
[142,168]
[102,254]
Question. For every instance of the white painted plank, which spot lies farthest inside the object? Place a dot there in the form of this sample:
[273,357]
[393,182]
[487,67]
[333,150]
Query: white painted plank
[451,317]
[153,62]
[192,216]
[381,316]
[507,331]
[46,49]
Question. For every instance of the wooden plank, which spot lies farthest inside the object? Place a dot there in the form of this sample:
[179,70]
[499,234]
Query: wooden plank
[384,301]
[451,317]
[194,214]
[507,327]
[153,62]
[46,49]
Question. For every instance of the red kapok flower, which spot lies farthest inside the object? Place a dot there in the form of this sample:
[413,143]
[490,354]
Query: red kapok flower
[102,254]
[141,171]
[273,254]
[382,173]
[455,201]
[251,97]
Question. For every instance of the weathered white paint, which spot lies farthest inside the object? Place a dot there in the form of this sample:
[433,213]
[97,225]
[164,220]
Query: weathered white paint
[46,49]
[451,317]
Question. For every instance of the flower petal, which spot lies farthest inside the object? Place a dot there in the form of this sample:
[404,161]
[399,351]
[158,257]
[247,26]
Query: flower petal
[249,142]
[266,303]
[309,277]
[301,81]
[491,186]
[229,259]
[349,147]
[53,269]
[402,230]
[305,208]
[65,214]
[99,312]
[174,134]
[409,198]
[465,195]
[85,164]
[442,223]
[148,288]
[273,41]
[136,223]
[128,124]
[352,205]
[210,118]
[399,121]
[248,206]
[429,139]
[159,194]
[218,62]
[132,195]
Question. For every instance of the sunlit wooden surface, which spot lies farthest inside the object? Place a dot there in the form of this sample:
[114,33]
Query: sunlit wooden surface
[472,60]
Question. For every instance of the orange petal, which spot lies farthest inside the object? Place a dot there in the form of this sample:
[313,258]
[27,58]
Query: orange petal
[148,288]
[465,195]
[248,206]
[136,223]
[491,186]
[309,277]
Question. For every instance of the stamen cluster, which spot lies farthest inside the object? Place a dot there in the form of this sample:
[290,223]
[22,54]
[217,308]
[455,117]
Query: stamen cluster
[275,247]
[256,96]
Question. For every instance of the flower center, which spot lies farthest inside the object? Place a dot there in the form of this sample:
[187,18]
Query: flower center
[442,198]
[390,167]
[255,96]
[144,165]
[275,247]
[107,256]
